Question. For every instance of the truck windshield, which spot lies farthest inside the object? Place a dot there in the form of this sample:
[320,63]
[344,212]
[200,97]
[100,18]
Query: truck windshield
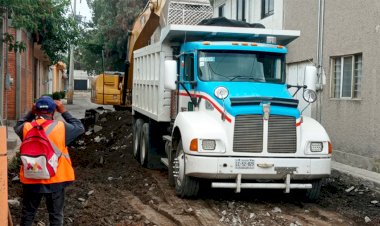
[241,66]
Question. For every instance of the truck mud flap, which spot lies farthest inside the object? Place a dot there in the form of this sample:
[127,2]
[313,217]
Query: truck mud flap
[156,147]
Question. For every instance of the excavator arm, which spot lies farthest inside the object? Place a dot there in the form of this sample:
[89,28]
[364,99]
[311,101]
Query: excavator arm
[156,14]
[143,28]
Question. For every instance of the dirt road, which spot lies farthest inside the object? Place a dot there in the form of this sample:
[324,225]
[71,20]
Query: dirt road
[113,189]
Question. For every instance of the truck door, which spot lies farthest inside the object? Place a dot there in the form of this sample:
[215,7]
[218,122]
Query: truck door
[186,75]
[296,76]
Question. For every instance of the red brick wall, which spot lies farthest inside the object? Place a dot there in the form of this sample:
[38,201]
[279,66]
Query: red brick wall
[10,95]
[27,74]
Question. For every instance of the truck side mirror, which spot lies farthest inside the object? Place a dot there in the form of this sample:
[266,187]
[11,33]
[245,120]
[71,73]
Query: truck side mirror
[170,77]
[310,81]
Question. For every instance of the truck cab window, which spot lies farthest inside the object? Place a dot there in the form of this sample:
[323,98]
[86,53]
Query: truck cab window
[189,67]
[243,66]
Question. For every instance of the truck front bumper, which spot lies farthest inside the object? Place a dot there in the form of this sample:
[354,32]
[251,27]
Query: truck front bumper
[284,169]
[212,167]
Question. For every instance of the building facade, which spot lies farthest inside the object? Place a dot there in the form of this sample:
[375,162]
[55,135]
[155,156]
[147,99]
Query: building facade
[342,37]
[251,11]
[23,74]
[57,77]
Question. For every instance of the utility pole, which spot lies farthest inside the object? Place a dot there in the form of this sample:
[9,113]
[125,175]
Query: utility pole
[104,76]
[70,93]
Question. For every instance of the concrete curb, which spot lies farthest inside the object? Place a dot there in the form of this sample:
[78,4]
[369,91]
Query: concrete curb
[13,143]
[368,178]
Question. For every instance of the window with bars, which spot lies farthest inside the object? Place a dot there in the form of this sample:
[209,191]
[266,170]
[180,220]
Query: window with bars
[267,8]
[346,76]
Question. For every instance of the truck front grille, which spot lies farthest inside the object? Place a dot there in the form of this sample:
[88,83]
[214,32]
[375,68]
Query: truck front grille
[282,135]
[248,134]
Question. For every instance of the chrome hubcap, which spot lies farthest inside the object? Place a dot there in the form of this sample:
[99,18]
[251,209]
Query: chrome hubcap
[178,168]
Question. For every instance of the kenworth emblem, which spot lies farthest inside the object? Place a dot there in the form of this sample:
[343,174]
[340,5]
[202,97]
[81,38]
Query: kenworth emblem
[266,111]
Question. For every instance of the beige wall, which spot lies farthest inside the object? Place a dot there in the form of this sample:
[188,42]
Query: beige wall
[42,78]
[58,76]
[302,15]
[351,26]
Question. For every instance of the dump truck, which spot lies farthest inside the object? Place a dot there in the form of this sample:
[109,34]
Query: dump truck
[210,102]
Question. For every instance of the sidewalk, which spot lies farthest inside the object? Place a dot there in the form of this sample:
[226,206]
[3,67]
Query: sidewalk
[13,143]
[369,178]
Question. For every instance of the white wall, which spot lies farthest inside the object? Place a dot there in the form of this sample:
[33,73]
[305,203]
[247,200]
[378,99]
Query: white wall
[274,21]
[253,12]
[82,75]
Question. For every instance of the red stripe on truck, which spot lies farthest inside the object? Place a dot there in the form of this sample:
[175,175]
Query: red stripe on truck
[211,102]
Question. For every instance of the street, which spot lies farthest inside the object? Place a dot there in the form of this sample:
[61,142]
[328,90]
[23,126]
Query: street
[201,112]
[113,189]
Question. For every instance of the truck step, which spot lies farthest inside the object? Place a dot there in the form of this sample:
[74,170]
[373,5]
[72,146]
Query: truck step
[165,161]
[167,138]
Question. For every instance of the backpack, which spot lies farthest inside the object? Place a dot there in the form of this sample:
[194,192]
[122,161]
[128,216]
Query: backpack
[39,158]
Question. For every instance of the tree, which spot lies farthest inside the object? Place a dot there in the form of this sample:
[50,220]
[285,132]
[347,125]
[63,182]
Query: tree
[108,31]
[47,21]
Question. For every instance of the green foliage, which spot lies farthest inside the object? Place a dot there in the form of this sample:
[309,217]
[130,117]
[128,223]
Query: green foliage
[13,45]
[108,31]
[47,21]
[63,94]
[56,95]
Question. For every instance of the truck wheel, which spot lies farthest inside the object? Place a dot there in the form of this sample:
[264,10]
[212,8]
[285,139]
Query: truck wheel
[137,126]
[185,186]
[144,145]
[313,193]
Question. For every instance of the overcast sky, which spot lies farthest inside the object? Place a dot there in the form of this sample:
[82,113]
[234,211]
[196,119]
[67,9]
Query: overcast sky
[82,9]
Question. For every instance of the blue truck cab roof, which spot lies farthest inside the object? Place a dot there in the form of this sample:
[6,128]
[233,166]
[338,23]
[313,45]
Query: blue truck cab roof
[232,45]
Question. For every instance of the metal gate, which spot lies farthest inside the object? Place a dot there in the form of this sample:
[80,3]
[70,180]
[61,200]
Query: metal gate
[80,84]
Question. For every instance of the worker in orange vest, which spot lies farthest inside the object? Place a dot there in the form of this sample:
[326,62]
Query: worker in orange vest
[60,134]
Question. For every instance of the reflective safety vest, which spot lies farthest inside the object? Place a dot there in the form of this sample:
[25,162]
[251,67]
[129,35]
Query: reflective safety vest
[56,134]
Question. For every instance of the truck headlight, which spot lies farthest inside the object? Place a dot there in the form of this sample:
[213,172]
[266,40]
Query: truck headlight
[316,146]
[208,144]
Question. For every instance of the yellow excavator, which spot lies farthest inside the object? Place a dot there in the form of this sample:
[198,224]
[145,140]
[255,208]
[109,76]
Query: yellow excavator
[116,88]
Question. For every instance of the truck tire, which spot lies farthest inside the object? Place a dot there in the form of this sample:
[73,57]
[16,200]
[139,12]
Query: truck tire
[185,186]
[137,127]
[312,194]
[144,145]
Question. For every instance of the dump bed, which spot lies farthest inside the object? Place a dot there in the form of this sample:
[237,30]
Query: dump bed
[149,96]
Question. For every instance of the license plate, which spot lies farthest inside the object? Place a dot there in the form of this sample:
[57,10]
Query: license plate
[244,164]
